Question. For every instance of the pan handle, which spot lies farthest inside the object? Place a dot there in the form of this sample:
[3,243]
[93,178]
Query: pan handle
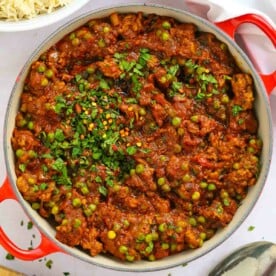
[230,26]
[44,248]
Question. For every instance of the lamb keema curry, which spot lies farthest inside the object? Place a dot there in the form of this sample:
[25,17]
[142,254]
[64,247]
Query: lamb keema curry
[136,136]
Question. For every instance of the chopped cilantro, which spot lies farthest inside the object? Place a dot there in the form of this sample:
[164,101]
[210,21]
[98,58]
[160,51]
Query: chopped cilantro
[236,109]
[22,167]
[103,190]
[131,150]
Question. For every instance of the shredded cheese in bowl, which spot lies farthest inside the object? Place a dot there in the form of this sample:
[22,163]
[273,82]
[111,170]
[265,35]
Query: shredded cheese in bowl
[14,10]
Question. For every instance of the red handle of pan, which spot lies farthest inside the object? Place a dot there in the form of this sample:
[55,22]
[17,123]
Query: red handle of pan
[230,26]
[44,248]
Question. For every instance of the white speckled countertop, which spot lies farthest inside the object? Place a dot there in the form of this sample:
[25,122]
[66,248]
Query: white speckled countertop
[14,50]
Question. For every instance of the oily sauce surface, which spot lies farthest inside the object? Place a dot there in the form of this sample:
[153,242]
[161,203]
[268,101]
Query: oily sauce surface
[137,135]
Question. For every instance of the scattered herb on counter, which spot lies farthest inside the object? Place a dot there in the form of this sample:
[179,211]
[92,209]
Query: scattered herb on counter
[66,273]
[185,264]
[29,225]
[9,256]
[251,228]
[49,264]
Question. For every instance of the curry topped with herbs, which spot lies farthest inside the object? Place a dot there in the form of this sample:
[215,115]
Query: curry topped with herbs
[136,135]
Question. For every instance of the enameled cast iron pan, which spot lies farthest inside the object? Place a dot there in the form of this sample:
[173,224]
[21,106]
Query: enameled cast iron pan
[263,86]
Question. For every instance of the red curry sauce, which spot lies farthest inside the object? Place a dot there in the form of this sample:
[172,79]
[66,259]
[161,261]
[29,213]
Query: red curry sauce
[137,136]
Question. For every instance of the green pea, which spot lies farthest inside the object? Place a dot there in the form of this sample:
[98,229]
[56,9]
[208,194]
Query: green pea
[225,99]
[148,238]
[184,166]
[75,41]
[141,237]
[194,118]
[226,202]
[203,184]
[236,166]
[155,236]
[123,249]
[140,168]
[35,205]
[173,246]
[178,229]
[92,207]
[216,104]
[106,29]
[41,68]
[76,202]
[166,25]
[166,187]
[22,123]
[186,177]
[224,194]
[162,227]
[161,181]
[201,219]
[49,73]
[177,148]
[132,172]
[77,223]
[72,36]
[180,131]
[55,210]
[111,234]
[176,121]
[84,190]
[252,142]
[165,246]
[196,195]
[211,187]
[151,257]
[87,212]
[130,258]
[19,153]
[126,223]
[30,125]
[142,111]
[44,82]
[192,221]
[203,236]
[101,43]
[165,36]
[163,79]
[32,154]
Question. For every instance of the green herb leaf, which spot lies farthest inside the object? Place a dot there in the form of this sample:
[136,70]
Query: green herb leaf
[236,109]
[131,150]
[49,264]
[29,225]
[251,228]
[103,190]
[9,256]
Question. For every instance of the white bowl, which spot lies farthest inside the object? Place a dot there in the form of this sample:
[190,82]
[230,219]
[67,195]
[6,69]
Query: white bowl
[43,19]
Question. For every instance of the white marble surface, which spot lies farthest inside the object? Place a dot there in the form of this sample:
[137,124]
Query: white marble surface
[15,48]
